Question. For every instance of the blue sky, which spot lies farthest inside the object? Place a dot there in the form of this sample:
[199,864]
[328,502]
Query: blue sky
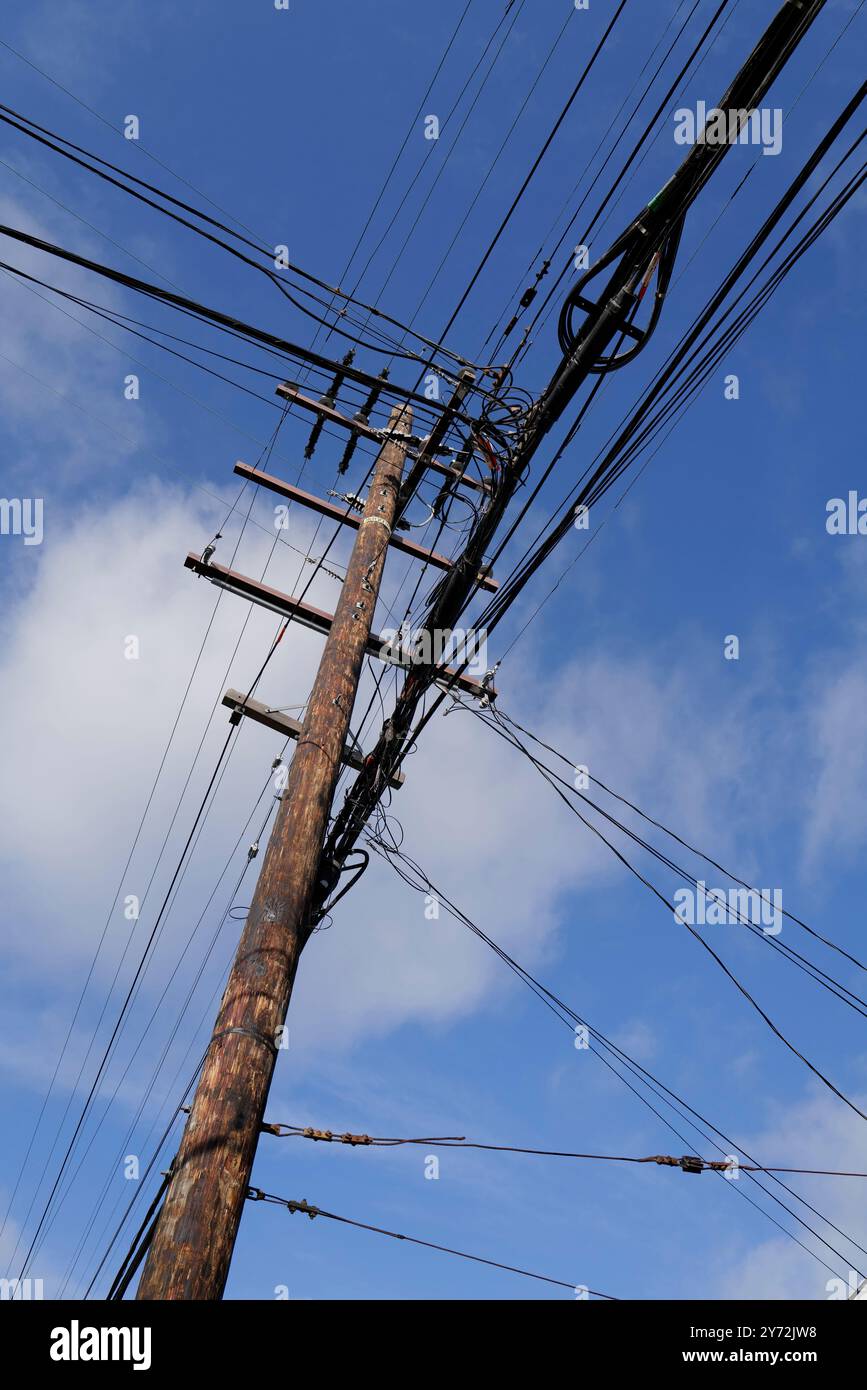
[400,1025]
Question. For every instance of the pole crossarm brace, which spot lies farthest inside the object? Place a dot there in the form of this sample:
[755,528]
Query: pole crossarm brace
[383,648]
[356,426]
[291,728]
[335,513]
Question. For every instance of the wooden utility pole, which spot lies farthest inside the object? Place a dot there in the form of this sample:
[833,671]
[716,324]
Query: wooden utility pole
[197,1227]
[196,1231]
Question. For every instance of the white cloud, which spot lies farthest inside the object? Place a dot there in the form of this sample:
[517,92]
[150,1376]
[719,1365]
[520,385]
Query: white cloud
[837,740]
[818,1132]
[49,388]
[91,727]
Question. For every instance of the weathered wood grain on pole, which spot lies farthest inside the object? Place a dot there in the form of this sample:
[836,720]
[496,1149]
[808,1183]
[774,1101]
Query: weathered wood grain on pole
[195,1235]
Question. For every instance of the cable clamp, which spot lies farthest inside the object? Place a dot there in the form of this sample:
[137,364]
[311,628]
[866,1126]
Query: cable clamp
[304,1207]
[690,1164]
[248,1032]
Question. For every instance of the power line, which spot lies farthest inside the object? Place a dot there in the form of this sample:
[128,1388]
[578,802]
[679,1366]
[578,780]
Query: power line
[826,941]
[637,147]
[492,166]
[257,1195]
[687,1162]
[282,628]
[597,480]
[613,1057]
[145,958]
[225,322]
[534,166]
[678,917]
[531,294]
[406,139]
[455,591]
[54,142]
[498,26]
[181,1014]
[509,439]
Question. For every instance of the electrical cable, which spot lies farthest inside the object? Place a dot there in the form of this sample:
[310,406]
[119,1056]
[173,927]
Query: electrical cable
[256,1194]
[641,1074]
[288,1131]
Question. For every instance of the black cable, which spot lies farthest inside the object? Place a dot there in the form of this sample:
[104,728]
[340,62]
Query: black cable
[256,1194]
[701,854]
[356,808]
[481,185]
[122,1014]
[458,1141]
[535,165]
[281,631]
[475,68]
[213,316]
[124,1147]
[662,106]
[144,960]
[538,254]
[646,1078]
[604,470]
[406,139]
[510,590]
[138,1247]
[689,927]
[55,143]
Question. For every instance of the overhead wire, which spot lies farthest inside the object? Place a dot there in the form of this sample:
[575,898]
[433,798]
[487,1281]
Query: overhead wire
[145,959]
[854,1001]
[181,1015]
[410,128]
[569,200]
[596,481]
[108,918]
[214,317]
[501,716]
[535,165]
[351,818]
[283,1130]
[89,161]
[606,1050]
[281,631]
[256,1194]
[476,68]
